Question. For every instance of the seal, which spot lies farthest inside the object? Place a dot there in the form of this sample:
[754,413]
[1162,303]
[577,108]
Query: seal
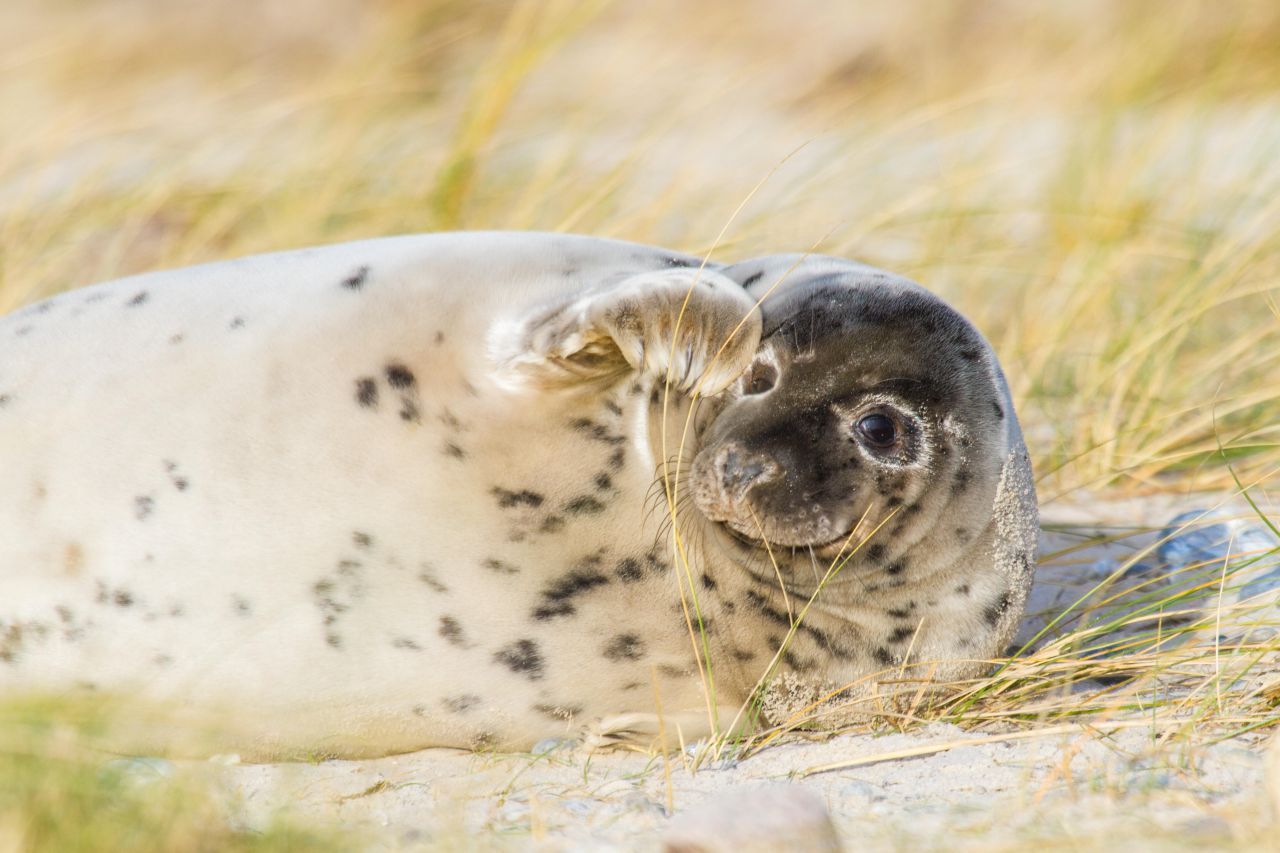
[478,489]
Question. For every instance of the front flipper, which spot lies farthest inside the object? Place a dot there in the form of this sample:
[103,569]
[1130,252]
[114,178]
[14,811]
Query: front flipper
[647,732]
[695,326]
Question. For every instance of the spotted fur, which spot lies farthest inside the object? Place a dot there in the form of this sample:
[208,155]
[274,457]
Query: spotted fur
[407,492]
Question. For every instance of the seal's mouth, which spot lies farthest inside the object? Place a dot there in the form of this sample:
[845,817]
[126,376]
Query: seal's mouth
[826,547]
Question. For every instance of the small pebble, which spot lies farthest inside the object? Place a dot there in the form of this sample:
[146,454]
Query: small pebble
[139,771]
[1204,829]
[548,745]
[856,788]
[758,818]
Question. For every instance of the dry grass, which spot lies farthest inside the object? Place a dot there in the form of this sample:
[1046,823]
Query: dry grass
[1096,184]
[56,793]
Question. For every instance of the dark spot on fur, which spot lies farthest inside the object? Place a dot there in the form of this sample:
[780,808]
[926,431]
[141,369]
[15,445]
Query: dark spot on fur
[996,609]
[451,630]
[683,262]
[122,598]
[500,566]
[356,280]
[551,524]
[139,298]
[596,432]
[4,400]
[901,633]
[363,541]
[176,339]
[960,483]
[895,568]
[999,409]
[241,605]
[143,506]
[759,603]
[876,552]
[522,657]
[461,704]
[483,740]
[236,323]
[708,582]
[367,392]
[584,505]
[454,451]
[797,663]
[970,354]
[557,597]
[963,535]
[963,589]
[439,338]
[524,497]
[613,407]
[617,459]
[409,412]
[428,577]
[629,570]
[752,279]
[624,647]
[882,656]
[899,612]
[603,481]
[400,377]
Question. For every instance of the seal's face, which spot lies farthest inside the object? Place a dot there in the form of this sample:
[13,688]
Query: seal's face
[869,399]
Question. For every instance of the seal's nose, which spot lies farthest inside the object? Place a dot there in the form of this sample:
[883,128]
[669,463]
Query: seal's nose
[740,469]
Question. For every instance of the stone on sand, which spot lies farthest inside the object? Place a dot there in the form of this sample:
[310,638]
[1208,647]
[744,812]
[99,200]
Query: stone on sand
[756,818]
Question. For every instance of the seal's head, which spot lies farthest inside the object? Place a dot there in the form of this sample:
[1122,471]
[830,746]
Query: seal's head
[870,400]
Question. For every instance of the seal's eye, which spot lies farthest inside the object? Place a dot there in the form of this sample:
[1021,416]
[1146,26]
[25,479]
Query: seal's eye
[878,431]
[762,377]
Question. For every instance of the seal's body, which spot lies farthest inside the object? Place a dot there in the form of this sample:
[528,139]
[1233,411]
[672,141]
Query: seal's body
[410,492]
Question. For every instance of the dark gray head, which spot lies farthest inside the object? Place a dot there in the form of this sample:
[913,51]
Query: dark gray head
[869,398]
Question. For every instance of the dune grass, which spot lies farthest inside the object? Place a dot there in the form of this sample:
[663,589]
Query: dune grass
[57,793]
[1096,185]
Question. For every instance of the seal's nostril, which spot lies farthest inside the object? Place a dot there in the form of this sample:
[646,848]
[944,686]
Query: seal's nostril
[740,469]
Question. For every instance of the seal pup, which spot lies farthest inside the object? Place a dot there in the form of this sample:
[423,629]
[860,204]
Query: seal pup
[413,491]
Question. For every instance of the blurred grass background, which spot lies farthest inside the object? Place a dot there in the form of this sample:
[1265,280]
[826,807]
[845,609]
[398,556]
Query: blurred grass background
[1096,184]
